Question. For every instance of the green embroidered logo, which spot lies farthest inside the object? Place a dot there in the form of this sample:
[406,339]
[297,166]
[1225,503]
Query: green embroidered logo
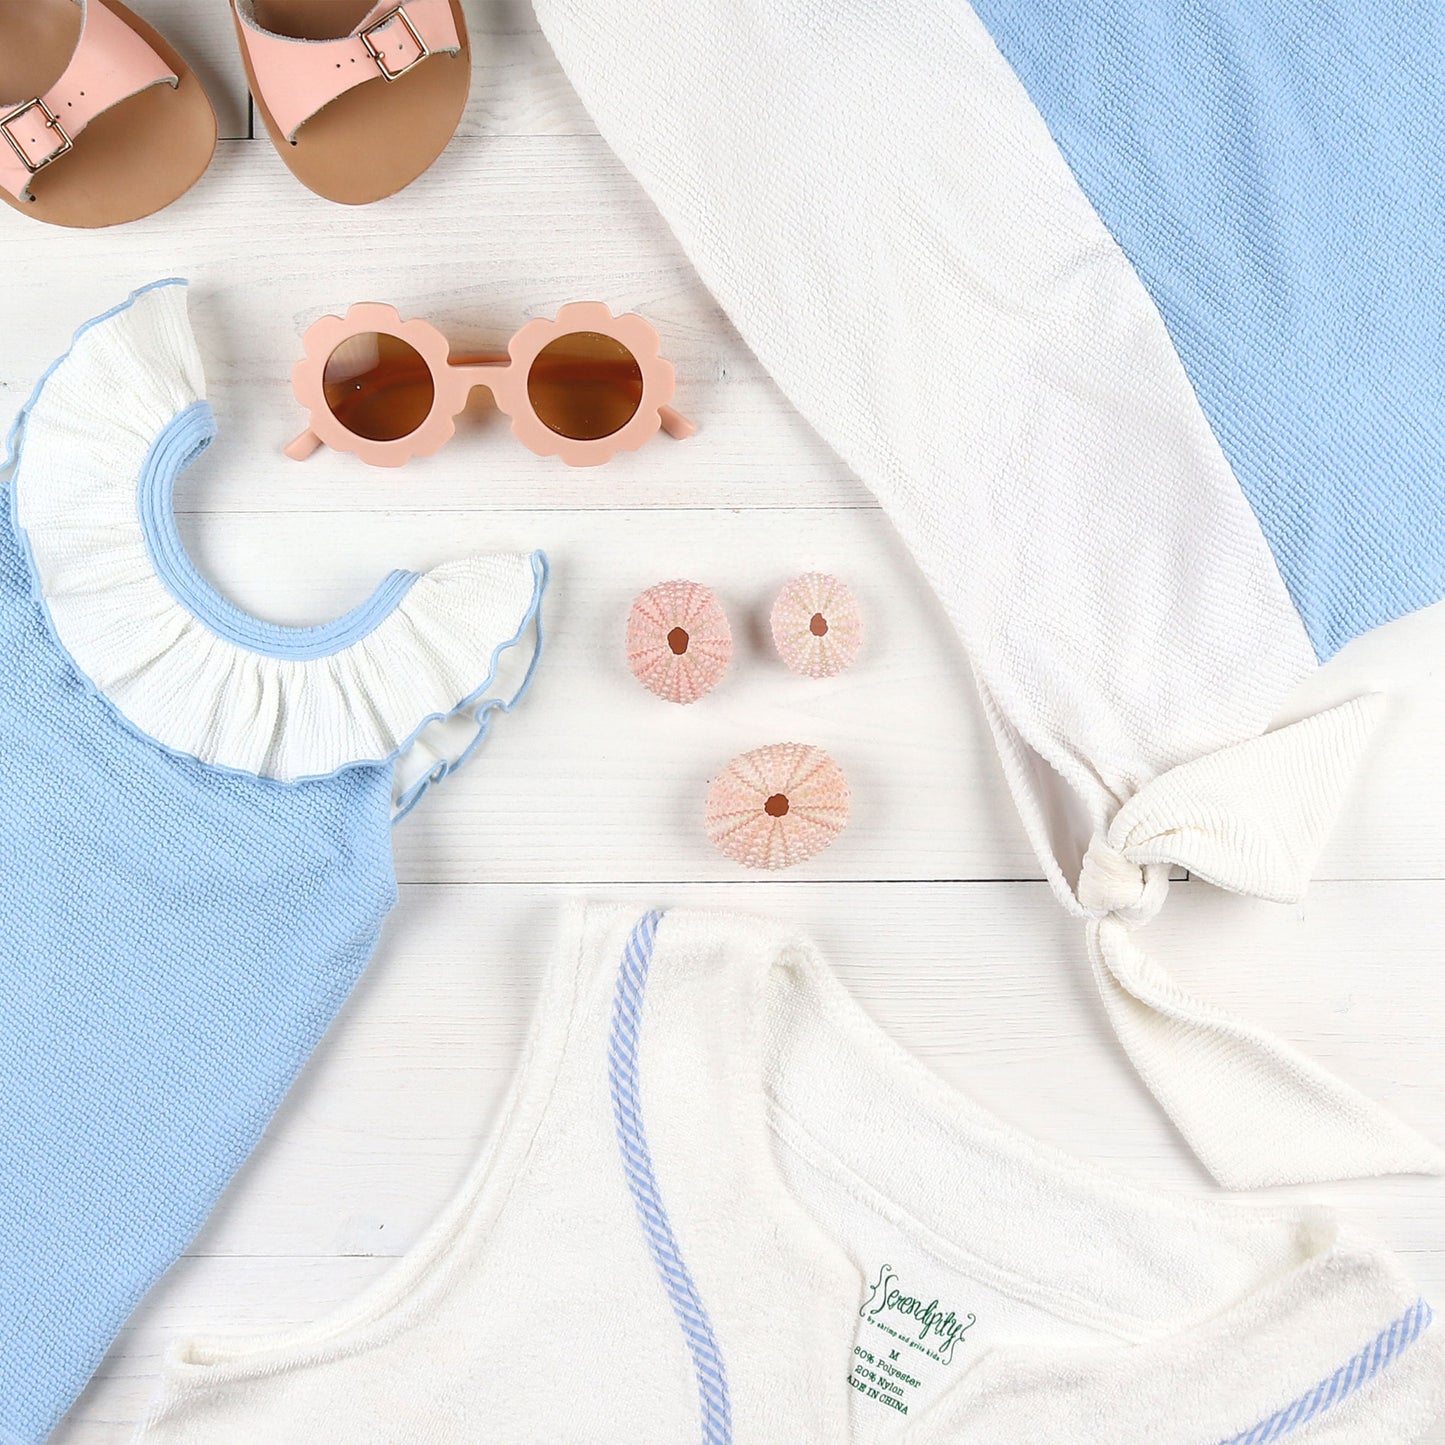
[927,1316]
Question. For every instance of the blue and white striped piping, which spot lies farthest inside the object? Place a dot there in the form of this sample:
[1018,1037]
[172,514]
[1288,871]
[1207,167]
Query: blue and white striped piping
[622,1073]
[1390,1343]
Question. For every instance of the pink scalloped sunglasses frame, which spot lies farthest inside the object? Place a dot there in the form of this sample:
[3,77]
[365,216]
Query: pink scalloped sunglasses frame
[504,375]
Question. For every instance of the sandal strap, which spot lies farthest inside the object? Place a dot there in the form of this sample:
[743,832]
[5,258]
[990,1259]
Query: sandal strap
[298,78]
[111,63]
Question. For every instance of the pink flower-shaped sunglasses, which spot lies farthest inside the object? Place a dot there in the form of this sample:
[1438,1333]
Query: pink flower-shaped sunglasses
[583,387]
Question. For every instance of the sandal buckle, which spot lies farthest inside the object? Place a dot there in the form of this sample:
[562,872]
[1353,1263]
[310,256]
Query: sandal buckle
[50,121]
[378,51]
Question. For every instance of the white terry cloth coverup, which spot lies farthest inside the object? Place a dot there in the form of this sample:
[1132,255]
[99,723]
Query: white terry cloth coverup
[882,210]
[722,1206]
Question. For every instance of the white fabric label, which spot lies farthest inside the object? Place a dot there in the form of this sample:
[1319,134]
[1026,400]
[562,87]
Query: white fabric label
[908,1339]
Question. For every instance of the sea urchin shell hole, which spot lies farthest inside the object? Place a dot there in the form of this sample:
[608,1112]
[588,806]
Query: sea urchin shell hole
[776,806]
[817,626]
[679,644]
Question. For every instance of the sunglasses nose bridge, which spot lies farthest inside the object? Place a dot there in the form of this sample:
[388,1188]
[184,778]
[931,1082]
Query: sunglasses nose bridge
[488,370]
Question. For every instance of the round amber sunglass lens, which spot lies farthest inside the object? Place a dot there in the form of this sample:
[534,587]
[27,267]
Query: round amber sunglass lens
[585,386]
[378,387]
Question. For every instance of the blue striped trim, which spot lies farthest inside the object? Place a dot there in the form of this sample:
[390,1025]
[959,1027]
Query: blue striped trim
[1391,1342]
[622,1074]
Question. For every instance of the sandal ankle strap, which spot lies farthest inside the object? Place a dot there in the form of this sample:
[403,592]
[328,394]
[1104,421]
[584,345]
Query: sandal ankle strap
[110,64]
[297,78]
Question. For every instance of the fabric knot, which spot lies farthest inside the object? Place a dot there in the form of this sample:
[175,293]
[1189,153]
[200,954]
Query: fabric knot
[1112,885]
[1251,818]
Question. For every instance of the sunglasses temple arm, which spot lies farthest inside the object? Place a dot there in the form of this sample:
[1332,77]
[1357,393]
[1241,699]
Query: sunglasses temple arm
[303,446]
[675,424]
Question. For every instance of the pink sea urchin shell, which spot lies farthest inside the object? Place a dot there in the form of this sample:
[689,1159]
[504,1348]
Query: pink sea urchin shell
[817,626]
[776,806]
[679,644]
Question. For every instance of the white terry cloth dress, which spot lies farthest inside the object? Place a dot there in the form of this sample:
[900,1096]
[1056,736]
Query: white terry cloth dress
[722,1207]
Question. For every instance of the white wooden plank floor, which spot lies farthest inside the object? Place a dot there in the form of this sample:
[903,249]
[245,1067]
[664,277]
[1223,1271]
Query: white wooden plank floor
[967,959]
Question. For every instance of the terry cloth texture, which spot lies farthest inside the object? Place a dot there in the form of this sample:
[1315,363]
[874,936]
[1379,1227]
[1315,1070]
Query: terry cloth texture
[895,232]
[177,934]
[722,1207]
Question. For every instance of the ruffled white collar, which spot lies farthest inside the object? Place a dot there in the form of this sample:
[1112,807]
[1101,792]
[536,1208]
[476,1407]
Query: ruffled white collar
[99,448]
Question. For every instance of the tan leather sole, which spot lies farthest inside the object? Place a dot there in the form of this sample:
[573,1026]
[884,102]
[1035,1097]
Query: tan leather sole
[129,162]
[378,138]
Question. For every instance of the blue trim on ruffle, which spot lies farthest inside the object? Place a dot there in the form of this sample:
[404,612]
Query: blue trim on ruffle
[484,708]
[13,437]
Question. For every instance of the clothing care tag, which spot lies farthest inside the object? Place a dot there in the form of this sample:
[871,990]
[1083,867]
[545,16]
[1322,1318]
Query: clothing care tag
[909,1340]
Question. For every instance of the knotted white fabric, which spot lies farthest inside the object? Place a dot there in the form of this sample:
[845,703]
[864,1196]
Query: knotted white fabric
[1250,818]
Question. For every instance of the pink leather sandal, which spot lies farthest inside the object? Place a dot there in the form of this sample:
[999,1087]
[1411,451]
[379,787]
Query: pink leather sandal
[101,121]
[359,98]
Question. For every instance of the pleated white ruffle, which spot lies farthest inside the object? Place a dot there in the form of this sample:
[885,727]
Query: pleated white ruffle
[99,448]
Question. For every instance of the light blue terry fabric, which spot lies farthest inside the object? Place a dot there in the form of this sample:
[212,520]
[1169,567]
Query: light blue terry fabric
[1272,170]
[174,940]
